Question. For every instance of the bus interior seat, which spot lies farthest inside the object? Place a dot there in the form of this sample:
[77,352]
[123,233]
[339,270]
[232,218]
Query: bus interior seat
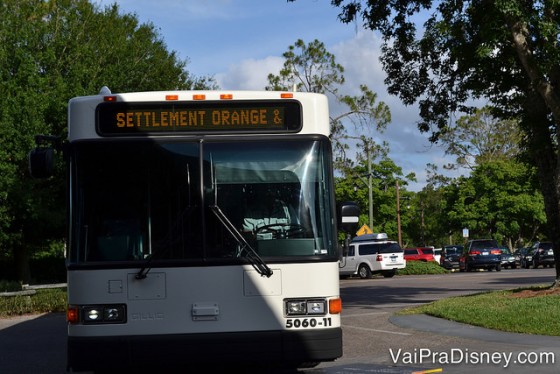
[122,241]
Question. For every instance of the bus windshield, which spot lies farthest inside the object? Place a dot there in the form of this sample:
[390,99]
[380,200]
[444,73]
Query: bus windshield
[192,201]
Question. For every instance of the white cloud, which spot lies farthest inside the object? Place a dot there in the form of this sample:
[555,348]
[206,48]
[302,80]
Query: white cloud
[249,74]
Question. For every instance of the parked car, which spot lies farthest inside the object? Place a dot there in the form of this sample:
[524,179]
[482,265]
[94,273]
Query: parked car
[481,254]
[372,254]
[519,255]
[527,258]
[419,254]
[508,259]
[437,254]
[450,255]
[543,254]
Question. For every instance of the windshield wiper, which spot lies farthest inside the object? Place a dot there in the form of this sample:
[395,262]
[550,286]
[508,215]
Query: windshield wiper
[249,252]
[143,272]
[146,267]
[256,261]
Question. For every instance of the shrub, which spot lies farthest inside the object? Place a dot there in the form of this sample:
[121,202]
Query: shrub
[44,301]
[422,267]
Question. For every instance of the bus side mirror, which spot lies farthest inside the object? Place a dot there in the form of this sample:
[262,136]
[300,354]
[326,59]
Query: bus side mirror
[348,215]
[41,161]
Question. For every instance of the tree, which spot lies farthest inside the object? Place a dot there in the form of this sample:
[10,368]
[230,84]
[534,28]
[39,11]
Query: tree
[428,224]
[311,68]
[50,52]
[386,173]
[480,137]
[505,51]
[499,200]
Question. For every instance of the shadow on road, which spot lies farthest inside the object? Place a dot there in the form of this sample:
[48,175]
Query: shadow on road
[34,345]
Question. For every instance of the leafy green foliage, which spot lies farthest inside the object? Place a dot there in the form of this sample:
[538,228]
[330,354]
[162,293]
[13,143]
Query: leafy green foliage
[309,68]
[499,200]
[50,52]
[505,52]
[385,173]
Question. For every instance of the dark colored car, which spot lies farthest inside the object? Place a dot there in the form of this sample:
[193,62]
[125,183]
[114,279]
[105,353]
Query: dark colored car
[481,254]
[543,254]
[519,255]
[450,255]
[419,254]
[527,258]
[508,259]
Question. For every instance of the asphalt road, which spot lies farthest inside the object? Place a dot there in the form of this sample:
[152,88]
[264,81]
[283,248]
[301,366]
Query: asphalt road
[374,340]
[377,342]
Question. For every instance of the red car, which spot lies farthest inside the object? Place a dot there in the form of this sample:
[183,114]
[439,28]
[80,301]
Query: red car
[419,254]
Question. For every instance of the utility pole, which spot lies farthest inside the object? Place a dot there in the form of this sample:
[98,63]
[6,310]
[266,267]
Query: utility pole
[422,221]
[369,181]
[370,187]
[399,212]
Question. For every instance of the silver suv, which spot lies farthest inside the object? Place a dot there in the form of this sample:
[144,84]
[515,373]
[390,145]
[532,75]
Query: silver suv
[372,254]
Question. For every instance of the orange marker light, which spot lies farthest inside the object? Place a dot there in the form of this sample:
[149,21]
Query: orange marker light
[226,96]
[171,97]
[287,95]
[72,314]
[335,306]
[110,99]
[199,97]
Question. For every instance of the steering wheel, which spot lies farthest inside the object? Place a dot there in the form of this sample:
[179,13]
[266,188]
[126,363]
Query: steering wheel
[281,230]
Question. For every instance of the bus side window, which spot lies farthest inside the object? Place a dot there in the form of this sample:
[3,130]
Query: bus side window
[120,240]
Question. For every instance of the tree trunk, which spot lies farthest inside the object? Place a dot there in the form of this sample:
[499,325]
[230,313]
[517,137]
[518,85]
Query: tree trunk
[536,124]
[21,259]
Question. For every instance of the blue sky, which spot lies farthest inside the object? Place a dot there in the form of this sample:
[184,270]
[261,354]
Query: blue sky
[240,42]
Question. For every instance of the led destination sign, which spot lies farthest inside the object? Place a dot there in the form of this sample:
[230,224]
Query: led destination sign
[177,117]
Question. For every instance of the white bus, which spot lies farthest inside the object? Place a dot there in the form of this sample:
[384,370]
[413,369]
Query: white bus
[201,230]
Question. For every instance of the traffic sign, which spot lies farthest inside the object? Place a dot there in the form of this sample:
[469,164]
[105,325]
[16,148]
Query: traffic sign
[364,230]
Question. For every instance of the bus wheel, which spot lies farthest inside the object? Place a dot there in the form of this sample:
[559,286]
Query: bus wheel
[364,271]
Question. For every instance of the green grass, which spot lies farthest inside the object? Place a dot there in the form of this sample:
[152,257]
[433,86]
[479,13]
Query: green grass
[44,301]
[499,310]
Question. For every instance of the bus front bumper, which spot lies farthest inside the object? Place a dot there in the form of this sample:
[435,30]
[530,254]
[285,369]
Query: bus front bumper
[270,348]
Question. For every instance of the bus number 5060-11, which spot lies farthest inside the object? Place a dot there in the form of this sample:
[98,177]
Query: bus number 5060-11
[308,322]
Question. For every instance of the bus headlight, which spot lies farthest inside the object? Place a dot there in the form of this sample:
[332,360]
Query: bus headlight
[304,307]
[91,314]
[98,314]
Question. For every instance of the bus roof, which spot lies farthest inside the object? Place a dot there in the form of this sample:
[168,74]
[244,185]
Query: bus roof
[82,110]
